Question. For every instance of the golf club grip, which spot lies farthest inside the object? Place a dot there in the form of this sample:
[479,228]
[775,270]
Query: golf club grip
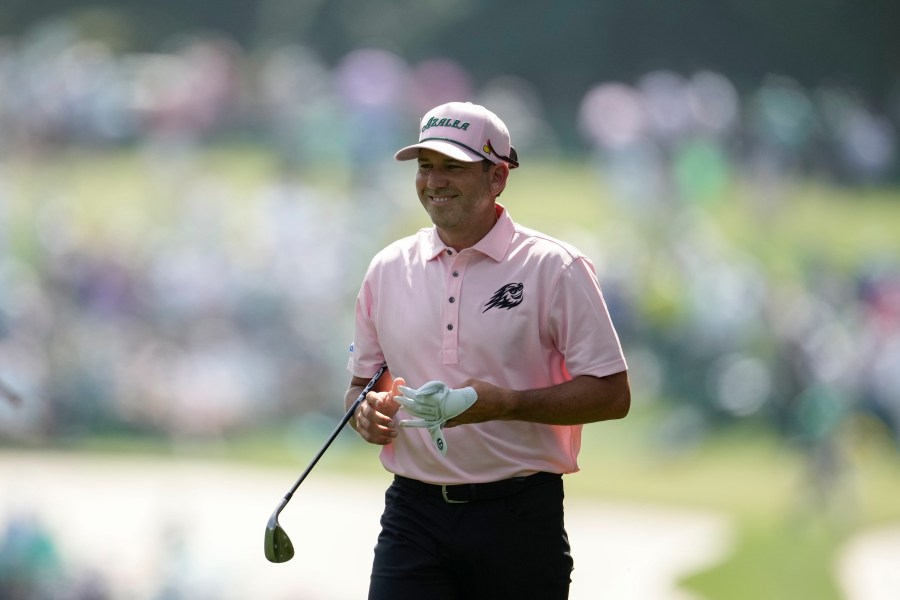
[337,430]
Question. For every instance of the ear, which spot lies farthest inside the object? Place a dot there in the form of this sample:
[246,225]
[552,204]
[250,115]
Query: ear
[498,175]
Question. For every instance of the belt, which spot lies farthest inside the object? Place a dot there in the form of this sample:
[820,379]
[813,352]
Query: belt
[470,492]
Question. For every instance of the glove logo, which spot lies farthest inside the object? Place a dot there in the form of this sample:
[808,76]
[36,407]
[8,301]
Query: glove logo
[509,296]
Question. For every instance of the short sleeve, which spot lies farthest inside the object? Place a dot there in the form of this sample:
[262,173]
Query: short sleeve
[580,324]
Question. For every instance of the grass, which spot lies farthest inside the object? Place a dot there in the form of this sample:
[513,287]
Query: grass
[776,562]
[125,189]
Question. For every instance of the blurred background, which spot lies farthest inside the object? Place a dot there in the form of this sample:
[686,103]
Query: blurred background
[190,194]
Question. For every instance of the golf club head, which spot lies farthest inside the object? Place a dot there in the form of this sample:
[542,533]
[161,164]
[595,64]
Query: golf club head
[278,546]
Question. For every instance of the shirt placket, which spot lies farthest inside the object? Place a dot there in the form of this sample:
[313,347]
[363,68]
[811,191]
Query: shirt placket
[450,312]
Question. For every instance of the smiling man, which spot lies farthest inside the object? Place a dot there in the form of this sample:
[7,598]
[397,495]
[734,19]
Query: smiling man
[458,196]
[500,347]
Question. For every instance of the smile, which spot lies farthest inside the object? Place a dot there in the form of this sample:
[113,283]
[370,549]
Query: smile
[440,199]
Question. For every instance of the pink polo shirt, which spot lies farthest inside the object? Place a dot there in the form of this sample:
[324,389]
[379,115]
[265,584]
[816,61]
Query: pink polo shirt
[519,309]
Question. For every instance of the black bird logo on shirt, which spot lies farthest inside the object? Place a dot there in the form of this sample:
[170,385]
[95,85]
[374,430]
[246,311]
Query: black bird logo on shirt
[507,297]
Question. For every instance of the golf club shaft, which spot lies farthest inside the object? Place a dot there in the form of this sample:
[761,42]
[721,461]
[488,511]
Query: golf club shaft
[334,434]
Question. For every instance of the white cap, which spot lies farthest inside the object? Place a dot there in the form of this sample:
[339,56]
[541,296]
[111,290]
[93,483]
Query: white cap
[464,131]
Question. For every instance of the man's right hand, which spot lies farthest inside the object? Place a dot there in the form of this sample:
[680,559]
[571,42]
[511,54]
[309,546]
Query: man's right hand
[374,419]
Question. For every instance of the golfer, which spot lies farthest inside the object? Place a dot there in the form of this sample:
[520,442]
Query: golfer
[499,347]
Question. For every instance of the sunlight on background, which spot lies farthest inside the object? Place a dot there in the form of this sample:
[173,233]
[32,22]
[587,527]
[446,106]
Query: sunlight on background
[182,235]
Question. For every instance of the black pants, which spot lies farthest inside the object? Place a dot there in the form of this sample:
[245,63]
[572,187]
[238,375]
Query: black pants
[513,547]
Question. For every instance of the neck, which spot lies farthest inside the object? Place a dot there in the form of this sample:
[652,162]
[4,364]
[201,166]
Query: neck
[460,240]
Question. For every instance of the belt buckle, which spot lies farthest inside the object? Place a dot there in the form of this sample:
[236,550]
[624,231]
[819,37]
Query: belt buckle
[447,498]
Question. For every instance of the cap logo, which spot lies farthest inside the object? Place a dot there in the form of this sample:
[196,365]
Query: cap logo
[445,122]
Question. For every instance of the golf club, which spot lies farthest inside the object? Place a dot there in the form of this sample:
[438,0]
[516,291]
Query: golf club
[278,547]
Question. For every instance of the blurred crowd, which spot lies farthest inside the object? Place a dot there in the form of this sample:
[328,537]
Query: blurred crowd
[31,566]
[207,308]
[61,90]
[35,565]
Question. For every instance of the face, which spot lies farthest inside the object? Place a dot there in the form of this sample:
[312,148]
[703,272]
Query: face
[459,196]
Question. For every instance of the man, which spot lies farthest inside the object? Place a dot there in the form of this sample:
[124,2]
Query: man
[504,339]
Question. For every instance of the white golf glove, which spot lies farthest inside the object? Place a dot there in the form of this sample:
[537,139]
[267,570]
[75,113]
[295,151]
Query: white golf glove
[434,404]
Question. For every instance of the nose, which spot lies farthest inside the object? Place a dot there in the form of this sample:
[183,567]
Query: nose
[436,178]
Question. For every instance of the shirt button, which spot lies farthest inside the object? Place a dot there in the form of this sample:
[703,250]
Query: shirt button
[450,252]
[450,327]
[452,299]
[456,273]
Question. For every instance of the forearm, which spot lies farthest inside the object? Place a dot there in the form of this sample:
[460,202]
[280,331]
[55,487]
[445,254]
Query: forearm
[584,399]
[353,393]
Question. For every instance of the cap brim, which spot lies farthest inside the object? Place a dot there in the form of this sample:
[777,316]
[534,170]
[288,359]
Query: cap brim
[447,148]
